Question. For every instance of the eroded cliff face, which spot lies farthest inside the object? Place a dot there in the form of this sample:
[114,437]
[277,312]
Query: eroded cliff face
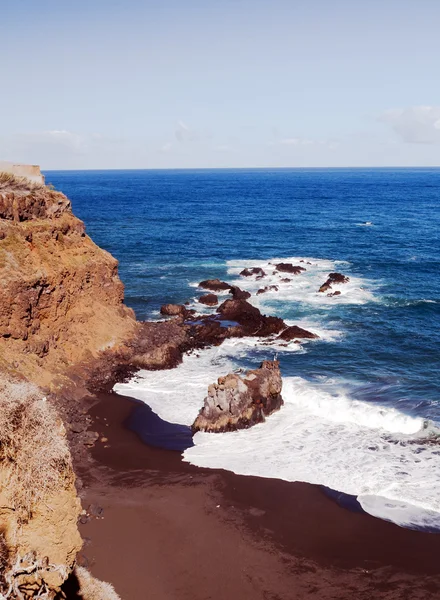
[61,306]
[61,300]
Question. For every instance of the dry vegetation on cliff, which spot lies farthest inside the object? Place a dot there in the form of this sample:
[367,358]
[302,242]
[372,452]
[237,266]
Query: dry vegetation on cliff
[11,182]
[33,446]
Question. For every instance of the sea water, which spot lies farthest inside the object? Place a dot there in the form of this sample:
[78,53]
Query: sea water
[362,412]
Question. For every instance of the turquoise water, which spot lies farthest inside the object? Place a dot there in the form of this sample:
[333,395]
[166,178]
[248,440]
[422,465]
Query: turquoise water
[379,343]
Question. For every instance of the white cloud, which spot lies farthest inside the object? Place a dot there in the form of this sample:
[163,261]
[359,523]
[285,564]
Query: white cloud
[416,124]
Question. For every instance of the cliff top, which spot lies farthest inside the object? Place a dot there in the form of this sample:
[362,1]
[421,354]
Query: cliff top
[30,172]
[22,199]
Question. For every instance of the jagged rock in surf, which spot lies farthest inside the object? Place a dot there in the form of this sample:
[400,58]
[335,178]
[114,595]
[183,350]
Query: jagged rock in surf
[236,402]
[333,278]
[268,288]
[289,268]
[250,319]
[239,294]
[209,299]
[294,332]
[285,280]
[258,271]
[215,285]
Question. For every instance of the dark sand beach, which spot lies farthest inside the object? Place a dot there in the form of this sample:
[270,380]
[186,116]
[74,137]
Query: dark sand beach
[169,530]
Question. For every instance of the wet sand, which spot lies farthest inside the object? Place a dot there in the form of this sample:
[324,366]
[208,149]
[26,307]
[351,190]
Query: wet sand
[171,531]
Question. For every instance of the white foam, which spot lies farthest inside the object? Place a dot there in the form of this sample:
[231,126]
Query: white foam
[177,395]
[302,288]
[322,436]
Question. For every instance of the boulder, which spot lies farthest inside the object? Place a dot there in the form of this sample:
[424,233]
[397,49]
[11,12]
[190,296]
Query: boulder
[294,332]
[333,278]
[215,285]
[236,402]
[285,280]
[250,318]
[289,268]
[175,310]
[209,299]
[258,271]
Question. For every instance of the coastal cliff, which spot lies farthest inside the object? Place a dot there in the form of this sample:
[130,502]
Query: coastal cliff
[61,300]
[61,306]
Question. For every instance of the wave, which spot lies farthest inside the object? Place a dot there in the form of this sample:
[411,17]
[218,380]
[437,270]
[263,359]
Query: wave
[346,445]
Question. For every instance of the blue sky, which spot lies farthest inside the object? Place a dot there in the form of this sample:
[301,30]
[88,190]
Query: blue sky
[220,83]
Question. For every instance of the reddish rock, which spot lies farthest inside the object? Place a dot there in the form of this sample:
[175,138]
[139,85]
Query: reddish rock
[175,310]
[337,278]
[215,285]
[250,318]
[258,271]
[209,299]
[239,294]
[289,268]
[337,293]
[268,288]
[236,402]
[295,332]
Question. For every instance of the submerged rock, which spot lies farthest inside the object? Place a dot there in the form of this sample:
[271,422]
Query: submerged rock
[236,402]
[216,285]
[333,278]
[295,332]
[209,299]
[258,271]
[268,288]
[289,268]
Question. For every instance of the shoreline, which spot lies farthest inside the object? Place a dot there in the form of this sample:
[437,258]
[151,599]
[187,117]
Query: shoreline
[173,530]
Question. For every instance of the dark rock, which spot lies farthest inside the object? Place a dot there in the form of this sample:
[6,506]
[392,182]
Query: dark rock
[236,402]
[337,293]
[289,268]
[250,318]
[253,271]
[295,332]
[209,299]
[286,280]
[239,294]
[333,278]
[268,288]
[215,285]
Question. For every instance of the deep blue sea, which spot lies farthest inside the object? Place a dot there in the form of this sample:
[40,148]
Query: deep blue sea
[360,401]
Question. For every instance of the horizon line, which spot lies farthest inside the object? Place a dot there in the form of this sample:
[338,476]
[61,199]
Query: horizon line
[243,168]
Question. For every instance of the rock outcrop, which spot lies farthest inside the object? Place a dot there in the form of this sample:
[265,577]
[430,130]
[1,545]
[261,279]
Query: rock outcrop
[333,278]
[257,271]
[250,319]
[267,288]
[215,285]
[289,268]
[238,293]
[294,333]
[236,402]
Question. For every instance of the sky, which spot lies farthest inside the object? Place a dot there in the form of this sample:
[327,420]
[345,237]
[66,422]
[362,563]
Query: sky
[118,84]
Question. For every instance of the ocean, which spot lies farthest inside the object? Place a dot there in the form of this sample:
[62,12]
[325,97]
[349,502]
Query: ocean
[362,403]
